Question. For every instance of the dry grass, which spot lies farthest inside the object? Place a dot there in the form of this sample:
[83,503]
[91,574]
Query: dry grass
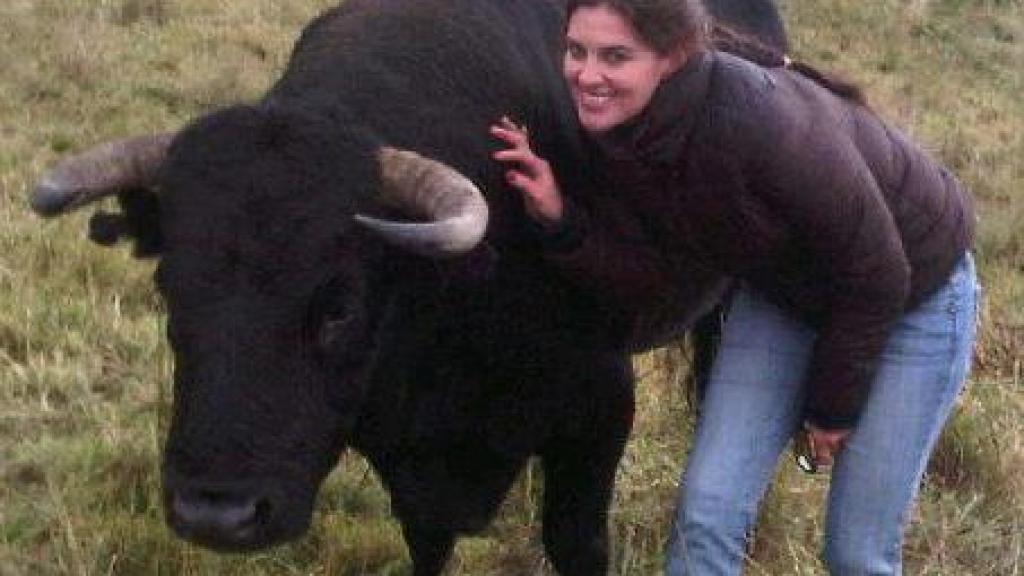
[83,365]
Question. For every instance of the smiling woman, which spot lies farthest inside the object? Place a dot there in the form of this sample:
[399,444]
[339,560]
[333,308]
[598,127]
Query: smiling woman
[848,244]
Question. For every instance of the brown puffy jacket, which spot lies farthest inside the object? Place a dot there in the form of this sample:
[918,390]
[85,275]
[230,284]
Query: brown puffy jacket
[763,175]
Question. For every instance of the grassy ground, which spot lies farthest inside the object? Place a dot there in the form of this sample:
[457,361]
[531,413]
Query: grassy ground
[83,365]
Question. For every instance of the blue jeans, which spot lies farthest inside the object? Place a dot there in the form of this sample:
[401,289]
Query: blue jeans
[753,406]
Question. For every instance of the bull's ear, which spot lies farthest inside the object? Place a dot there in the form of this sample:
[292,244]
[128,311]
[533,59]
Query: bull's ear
[138,221]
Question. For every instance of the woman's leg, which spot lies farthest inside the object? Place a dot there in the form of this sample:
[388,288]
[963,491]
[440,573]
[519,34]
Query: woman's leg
[877,474]
[751,408]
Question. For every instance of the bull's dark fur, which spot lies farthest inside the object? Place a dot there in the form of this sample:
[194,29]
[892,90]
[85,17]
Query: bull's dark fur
[297,333]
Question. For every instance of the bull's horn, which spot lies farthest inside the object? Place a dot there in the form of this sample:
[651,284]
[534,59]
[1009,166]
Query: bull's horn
[99,172]
[454,210]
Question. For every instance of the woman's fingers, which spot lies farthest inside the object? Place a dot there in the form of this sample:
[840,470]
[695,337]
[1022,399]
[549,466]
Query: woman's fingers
[519,150]
[511,133]
[512,136]
[533,188]
[825,444]
[524,183]
[508,124]
[514,155]
[527,161]
[530,173]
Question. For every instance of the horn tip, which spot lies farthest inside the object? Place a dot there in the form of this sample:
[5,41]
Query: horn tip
[415,237]
[49,198]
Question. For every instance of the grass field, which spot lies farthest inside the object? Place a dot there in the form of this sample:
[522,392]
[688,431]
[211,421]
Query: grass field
[84,366]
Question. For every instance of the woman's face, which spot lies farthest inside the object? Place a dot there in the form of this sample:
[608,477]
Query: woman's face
[611,71]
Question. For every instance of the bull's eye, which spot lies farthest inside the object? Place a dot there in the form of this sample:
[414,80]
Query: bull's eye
[333,331]
[335,316]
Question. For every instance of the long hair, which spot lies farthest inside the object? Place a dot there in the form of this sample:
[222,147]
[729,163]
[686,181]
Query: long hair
[665,25]
[668,25]
[750,48]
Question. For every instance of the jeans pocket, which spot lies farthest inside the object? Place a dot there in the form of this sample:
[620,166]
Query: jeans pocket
[928,333]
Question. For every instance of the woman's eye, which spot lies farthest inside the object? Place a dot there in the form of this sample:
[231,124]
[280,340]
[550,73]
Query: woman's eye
[616,56]
[575,51]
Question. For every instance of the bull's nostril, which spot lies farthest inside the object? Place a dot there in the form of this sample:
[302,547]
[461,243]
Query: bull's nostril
[218,517]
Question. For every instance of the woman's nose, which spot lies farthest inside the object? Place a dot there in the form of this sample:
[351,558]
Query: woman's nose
[589,73]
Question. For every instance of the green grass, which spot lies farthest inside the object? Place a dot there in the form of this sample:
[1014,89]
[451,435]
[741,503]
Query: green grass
[84,366]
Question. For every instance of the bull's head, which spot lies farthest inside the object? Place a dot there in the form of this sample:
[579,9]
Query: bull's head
[275,304]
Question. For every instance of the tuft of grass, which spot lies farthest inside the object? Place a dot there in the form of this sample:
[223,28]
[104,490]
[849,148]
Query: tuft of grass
[133,12]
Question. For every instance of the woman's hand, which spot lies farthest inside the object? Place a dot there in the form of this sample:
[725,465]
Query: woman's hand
[530,173]
[825,444]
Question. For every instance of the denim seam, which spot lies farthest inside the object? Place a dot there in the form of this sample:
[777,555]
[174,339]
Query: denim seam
[953,312]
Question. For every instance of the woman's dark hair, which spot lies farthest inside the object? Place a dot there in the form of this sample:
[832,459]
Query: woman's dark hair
[667,25]
[750,48]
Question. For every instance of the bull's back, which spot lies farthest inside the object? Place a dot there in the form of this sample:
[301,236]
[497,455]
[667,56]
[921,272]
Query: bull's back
[406,65]
[432,75]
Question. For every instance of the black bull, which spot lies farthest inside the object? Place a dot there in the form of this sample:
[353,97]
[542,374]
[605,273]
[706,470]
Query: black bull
[304,318]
